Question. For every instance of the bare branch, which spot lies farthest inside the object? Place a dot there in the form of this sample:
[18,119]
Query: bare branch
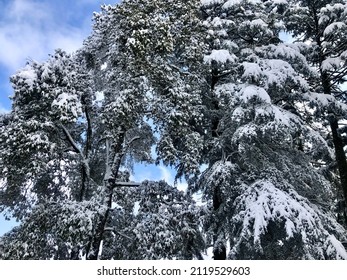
[126,184]
[71,141]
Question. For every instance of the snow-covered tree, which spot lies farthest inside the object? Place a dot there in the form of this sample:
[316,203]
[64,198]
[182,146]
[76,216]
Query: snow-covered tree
[154,221]
[267,201]
[165,41]
[36,138]
[77,120]
[320,29]
[215,83]
[151,221]
[46,141]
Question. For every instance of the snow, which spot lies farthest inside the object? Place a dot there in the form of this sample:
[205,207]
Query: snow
[323,19]
[258,23]
[322,99]
[334,247]
[333,27]
[287,51]
[278,115]
[273,71]
[221,56]
[221,169]
[46,73]
[227,89]
[62,99]
[104,66]
[344,55]
[281,115]
[331,63]
[264,203]
[251,70]
[238,114]
[262,112]
[136,208]
[246,131]
[28,76]
[211,2]
[325,100]
[333,8]
[217,22]
[231,3]
[252,91]
[132,41]
[38,139]
[99,96]
[68,104]
[278,71]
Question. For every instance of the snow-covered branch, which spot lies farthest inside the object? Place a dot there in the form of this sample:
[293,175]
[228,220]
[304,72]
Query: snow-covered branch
[71,141]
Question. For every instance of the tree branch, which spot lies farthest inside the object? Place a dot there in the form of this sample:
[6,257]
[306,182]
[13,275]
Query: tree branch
[71,141]
[117,232]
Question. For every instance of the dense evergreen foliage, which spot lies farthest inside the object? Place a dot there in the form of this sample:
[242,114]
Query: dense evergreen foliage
[250,121]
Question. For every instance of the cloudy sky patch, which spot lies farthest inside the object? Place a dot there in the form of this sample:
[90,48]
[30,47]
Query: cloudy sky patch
[33,29]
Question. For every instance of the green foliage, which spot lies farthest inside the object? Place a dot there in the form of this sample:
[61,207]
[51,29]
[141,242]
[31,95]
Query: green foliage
[217,87]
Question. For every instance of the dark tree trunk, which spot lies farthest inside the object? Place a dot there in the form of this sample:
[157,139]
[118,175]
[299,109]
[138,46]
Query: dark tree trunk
[87,150]
[219,249]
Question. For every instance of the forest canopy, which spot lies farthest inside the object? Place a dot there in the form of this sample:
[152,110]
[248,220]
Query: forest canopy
[254,123]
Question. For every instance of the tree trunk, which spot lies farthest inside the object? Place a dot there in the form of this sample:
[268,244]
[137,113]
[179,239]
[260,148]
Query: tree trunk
[219,249]
[342,167]
[94,250]
[110,179]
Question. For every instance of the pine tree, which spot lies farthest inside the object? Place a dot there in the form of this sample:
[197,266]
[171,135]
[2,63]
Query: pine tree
[262,149]
[44,154]
[319,28]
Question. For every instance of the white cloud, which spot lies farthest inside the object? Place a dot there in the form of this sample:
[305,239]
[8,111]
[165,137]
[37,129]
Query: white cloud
[32,29]
[166,175]
[155,173]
